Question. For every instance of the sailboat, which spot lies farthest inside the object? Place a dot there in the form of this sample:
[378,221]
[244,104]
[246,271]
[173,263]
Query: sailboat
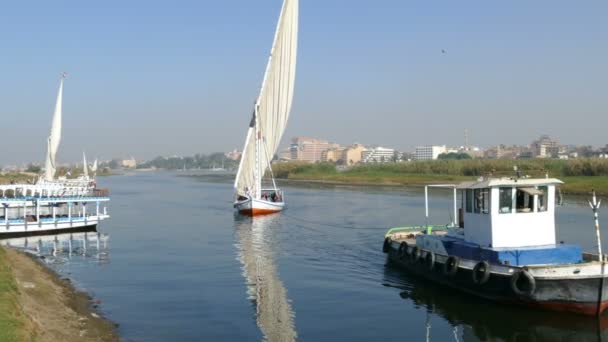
[270,113]
[81,185]
[52,204]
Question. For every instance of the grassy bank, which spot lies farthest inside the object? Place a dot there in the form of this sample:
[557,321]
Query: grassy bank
[37,305]
[580,175]
[12,319]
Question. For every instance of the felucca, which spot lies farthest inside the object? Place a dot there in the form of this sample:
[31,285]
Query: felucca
[270,114]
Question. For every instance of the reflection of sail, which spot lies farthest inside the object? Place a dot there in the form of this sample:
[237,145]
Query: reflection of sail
[91,244]
[255,243]
[475,319]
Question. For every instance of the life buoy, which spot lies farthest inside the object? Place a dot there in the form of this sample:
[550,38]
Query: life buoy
[430,260]
[416,254]
[402,250]
[523,283]
[387,245]
[450,267]
[481,273]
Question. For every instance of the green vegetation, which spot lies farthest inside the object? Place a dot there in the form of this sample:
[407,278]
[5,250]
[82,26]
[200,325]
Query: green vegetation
[198,161]
[453,155]
[580,175]
[15,177]
[12,320]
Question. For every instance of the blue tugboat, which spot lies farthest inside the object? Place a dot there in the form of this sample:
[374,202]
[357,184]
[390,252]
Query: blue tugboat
[503,248]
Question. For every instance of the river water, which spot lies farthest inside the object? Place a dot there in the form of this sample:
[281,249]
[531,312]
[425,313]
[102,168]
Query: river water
[175,263]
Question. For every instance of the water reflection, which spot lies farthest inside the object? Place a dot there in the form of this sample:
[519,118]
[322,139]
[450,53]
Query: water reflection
[57,247]
[474,319]
[256,242]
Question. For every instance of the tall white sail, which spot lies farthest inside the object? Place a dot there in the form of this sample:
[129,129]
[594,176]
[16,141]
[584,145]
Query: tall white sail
[94,167]
[85,167]
[55,136]
[273,105]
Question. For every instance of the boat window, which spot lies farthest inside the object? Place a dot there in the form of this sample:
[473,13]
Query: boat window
[469,201]
[506,200]
[542,199]
[524,200]
[482,201]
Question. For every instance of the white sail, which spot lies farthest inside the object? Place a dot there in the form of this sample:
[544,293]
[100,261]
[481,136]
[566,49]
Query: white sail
[85,167]
[54,137]
[94,167]
[273,105]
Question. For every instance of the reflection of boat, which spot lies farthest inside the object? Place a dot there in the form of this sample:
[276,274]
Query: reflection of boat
[74,243]
[255,242]
[504,249]
[52,204]
[270,114]
[478,320]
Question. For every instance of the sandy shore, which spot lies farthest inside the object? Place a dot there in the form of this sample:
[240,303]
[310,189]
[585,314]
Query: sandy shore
[55,311]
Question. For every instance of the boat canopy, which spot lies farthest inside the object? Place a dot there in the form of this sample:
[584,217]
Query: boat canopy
[513,182]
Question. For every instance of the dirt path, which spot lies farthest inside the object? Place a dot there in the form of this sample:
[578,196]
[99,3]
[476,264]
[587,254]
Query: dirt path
[57,312]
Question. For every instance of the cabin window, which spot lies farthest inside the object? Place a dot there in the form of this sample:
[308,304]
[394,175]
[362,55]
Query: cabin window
[524,200]
[542,198]
[505,200]
[481,201]
[469,201]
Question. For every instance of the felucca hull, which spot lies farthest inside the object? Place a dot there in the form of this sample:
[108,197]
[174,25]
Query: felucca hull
[256,207]
[577,288]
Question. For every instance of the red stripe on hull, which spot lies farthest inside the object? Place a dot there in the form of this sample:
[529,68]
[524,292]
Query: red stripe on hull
[258,212]
[589,309]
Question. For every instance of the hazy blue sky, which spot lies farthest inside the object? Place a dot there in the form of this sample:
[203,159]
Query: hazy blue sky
[179,77]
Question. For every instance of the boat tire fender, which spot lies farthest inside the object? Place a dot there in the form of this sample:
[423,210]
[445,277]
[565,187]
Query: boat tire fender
[387,245]
[416,254]
[402,250]
[430,260]
[523,283]
[481,273]
[451,265]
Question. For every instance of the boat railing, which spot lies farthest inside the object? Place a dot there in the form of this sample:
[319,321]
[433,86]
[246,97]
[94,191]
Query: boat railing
[76,196]
[422,228]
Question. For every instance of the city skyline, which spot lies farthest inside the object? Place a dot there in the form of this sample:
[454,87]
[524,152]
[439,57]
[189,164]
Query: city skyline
[150,79]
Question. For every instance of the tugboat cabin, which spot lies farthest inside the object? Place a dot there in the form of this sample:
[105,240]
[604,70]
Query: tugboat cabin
[509,221]
[509,213]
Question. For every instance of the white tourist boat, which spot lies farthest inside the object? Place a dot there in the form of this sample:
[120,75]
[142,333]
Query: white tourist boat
[270,113]
[52,204]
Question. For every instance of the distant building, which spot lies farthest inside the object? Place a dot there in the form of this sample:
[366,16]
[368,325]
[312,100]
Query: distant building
[234,154]
[309,149]
[545,147]
[378,155]
[332,155]
[353,154]
[129,163]
[429,152]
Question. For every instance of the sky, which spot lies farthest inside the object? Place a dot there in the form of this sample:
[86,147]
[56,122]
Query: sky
[150,78]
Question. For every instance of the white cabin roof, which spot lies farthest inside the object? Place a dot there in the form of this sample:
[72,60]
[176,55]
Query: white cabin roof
[495,182]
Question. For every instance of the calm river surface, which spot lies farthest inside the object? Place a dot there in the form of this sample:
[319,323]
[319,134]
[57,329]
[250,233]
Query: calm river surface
[180,266]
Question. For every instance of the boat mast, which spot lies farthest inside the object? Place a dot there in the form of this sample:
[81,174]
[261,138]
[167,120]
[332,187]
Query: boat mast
[257,178]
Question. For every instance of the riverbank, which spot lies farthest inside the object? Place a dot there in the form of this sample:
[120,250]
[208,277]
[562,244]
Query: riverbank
[37,305]
[398,175]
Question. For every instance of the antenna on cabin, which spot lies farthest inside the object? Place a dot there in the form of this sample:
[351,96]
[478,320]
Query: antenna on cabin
[595,206]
